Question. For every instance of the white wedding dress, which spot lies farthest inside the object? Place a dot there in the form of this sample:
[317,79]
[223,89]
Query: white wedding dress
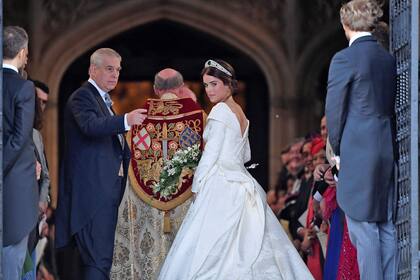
[229,231]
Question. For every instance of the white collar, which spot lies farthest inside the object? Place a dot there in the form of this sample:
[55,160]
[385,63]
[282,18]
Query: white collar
[101,92]
[168,95]
[358,35]
[10,66]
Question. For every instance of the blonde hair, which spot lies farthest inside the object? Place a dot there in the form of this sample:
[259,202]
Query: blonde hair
[97,56]
[361,15]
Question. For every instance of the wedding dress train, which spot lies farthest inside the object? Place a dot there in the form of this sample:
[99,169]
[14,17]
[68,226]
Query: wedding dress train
[229,231]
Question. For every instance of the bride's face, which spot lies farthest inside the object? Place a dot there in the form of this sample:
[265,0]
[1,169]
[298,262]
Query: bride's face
[216,90]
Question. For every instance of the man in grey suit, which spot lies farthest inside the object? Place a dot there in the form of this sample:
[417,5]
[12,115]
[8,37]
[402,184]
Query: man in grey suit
[360,110]
[20,193]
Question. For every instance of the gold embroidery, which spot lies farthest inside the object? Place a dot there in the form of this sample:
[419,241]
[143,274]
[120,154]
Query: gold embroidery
[194,125]
[149,170]
[159,118]
[168,132]
[164,107]
[144,167]
[156,169]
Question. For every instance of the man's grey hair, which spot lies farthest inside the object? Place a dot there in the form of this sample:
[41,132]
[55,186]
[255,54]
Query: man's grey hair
[97,57]
[15,39]
[361,15]
[170,83]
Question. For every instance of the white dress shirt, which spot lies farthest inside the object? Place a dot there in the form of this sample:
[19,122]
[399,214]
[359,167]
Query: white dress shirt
[358,35]
[10,66]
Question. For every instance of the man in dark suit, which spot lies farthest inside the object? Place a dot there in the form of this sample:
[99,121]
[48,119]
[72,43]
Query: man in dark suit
[360,110]
[20,192]
[94,166]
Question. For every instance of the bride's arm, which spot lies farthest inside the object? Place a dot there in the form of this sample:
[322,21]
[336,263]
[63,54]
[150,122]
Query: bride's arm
[247,154]
[216,135]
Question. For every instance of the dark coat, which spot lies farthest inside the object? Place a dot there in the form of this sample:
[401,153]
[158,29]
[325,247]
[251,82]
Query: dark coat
[360,121]
[90,162]
[20,188]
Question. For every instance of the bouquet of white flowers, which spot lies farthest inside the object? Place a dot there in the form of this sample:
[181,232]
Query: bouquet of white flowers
[170,177]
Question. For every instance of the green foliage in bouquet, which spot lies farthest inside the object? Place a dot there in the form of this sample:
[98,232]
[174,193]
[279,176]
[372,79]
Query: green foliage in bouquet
[169,179]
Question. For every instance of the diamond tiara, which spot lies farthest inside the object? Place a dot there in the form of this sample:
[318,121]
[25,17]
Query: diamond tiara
[214,64]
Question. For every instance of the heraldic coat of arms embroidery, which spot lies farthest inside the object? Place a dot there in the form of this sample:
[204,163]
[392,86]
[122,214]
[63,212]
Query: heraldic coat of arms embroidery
[170,125]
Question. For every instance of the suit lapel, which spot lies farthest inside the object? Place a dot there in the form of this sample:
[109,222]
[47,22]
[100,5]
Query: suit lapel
[103,107]
[99,99]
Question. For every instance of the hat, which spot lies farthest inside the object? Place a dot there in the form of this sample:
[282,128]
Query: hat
[317,144]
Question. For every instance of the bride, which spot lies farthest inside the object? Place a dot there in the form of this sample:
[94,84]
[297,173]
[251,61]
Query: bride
[229,231]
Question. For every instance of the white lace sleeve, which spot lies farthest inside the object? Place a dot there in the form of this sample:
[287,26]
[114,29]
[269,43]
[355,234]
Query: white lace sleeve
[216,134]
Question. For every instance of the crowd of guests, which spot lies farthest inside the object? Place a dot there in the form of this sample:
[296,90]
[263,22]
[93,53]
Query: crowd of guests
[304,200]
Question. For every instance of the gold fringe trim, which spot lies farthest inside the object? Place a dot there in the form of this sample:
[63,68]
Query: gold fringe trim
[166,222]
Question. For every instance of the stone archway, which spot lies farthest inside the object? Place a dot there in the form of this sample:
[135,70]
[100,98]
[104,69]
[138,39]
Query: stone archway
[312,69]
[244,35]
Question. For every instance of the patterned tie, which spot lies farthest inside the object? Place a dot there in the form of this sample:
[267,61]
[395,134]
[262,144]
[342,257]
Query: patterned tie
[108,103]
[108,100]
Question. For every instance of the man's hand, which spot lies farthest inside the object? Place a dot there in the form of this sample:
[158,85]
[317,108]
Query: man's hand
[43,207]
[308,235]
[329,178]
[136,117]
[319,171]
[38,169]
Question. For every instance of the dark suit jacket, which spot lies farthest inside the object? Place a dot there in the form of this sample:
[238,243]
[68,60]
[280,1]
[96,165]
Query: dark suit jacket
[20,191]
[360,120]
[91,161]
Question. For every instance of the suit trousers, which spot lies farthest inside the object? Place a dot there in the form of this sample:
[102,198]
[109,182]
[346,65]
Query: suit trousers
[13,258]
[376,246]
[95,241]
